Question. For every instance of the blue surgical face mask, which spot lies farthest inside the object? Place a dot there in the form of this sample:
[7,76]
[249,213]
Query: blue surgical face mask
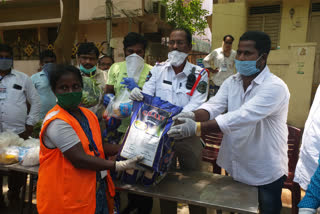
[87,71]
[5,64]
[247,68]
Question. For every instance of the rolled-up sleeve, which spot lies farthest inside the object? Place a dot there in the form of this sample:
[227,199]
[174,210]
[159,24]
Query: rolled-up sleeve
[34,101]
[149,86]
[268,99]
[197,98]
[217,104]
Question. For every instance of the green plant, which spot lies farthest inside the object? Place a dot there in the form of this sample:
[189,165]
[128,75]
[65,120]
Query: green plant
[186,14]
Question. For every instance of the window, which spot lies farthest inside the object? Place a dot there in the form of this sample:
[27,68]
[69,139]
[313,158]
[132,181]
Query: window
[266,19]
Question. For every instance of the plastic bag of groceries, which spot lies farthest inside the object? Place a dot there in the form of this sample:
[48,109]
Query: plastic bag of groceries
[31,157]
[147,135]
[91,92]
[29,143]
[119,107]
[9,155]
[9,139]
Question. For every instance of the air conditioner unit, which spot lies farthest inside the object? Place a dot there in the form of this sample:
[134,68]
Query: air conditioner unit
[160,9]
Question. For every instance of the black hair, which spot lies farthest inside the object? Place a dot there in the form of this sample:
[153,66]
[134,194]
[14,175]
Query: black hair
[226,36]
[56,71]
[47,53]
[188,34]
[261,39]
[88,48]
[6,48]
[105,56]
[133,38]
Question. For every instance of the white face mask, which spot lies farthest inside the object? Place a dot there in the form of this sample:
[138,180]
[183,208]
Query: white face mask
[135,65]
[176,58]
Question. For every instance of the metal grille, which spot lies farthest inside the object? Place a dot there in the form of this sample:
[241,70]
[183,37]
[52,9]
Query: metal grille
[315,7]
[265,9]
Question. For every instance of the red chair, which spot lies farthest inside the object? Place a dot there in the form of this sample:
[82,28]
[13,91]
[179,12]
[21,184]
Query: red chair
[211,149]
[293,155]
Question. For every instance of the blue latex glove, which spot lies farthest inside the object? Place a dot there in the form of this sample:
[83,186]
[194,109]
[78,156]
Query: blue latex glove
[130,83]
[107,98]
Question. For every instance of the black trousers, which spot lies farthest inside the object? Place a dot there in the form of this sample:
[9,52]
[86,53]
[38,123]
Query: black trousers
[15,182]
[142,204]
[269,197]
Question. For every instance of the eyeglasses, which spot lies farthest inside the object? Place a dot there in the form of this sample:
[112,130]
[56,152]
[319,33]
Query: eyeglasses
[178,42]
[228,43]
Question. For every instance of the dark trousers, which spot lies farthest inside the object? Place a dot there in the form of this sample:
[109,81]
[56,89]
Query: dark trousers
[15,182]
[216,89]
[142,204]
[269,196]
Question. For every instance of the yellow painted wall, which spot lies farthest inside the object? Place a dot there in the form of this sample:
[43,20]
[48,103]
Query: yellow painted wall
[29,13]
[28,67]
[228,18]
[289,33]
[295,66]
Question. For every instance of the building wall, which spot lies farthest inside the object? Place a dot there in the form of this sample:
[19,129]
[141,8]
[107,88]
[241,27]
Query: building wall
[228,18]
[294,30]
[293,63]
[26,66]
[29,13]
[295,67]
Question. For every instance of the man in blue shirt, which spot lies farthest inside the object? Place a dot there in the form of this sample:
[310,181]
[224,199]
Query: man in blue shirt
[41,82]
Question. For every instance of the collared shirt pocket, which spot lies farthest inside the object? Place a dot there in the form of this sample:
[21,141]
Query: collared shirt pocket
[182,98]
[16,92]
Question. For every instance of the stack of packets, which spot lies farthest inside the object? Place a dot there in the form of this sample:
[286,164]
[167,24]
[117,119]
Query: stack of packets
[151,119]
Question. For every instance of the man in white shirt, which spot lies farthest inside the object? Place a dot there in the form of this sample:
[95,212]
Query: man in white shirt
[254,146]
[183,84]
[220,62]
[310,147]
[16,89]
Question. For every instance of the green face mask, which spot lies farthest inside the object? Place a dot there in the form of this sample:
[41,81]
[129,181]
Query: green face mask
[69,100]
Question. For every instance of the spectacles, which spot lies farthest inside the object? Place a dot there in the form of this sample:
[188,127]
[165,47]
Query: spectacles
[228,43]
[178,42]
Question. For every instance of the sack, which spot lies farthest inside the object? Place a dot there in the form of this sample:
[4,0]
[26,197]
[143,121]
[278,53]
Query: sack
[147,135]
[91,92]
[119,107]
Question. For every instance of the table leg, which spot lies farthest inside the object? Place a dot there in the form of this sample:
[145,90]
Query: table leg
[30,194]
[23,192]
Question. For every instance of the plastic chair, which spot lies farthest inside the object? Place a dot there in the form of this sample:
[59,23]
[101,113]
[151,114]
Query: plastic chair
[211,149]
[293,155]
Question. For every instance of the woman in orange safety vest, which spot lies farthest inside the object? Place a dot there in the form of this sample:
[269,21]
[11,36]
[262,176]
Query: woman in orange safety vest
[74,175]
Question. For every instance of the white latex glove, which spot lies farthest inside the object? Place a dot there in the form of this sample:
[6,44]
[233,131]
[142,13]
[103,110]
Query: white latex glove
[136,94]
[128,164]
[184,115]
[307,211]
[186,128]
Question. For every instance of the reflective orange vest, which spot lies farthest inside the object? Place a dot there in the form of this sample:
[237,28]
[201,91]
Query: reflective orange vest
[62,188]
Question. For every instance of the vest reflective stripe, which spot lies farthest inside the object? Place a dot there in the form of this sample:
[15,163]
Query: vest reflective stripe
[61,187]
